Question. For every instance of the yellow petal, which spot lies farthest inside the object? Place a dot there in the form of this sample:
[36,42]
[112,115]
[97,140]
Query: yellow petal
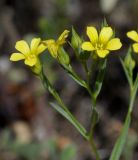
[114,44]
[62,37]
[31,61]
[92,34]
[22,46]
[105,35]
[102,53]
[49,42]
[133,35]
[52,47]
[34,44]
[135,47]
[17,57]
[40,49]
[87,46]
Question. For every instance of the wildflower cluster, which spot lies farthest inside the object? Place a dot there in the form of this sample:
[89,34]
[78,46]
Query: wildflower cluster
[99,45]
[30,54]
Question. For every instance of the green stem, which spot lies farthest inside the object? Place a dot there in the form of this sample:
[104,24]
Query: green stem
[93,100]
[94,96]
[132,99]
[133,85]
[133,90]
[85,67]
[119,145]
[91,141]
[93,147]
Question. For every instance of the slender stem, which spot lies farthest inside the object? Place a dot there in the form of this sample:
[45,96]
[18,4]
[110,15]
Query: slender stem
[132,99]
[91,141]
[93,66]
[85,67]
[133,90]
[93,147]
[93,101]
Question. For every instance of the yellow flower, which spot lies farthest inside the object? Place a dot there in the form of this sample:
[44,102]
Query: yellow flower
[53,45]
[28,54]
[134,36]
[103,43]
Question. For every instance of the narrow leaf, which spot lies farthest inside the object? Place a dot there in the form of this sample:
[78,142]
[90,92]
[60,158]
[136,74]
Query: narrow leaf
[118,148]
[74,122]
[74,76]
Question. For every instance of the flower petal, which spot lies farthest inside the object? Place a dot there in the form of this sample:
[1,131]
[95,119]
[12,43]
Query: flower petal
[34,44]
[133,35]
[62,37]
[114,44]
[31,61]
[41,48]
[87,46]
[22,46]
[52,47]
[105,35]
[17,57]
[102,53]
[49,42]
[135,47]
[92,34]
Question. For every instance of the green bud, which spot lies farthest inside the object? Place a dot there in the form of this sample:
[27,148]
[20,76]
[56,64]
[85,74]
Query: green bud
[104,23]
[76,41]
[129,61]
[63,56]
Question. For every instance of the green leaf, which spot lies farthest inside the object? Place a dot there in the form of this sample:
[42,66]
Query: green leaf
[119,145]
[100,77]
[74,76]
[69,153]
[72,120]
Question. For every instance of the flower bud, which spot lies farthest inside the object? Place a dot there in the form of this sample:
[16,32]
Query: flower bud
[63,56]
[129,62]
[76,41]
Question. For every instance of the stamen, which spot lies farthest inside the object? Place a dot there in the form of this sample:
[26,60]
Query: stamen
[98,46]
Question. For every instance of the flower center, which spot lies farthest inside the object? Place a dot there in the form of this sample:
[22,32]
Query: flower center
[30,57]
[99,46]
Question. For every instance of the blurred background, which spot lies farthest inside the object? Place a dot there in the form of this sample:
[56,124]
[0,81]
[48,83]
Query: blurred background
[29,128]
